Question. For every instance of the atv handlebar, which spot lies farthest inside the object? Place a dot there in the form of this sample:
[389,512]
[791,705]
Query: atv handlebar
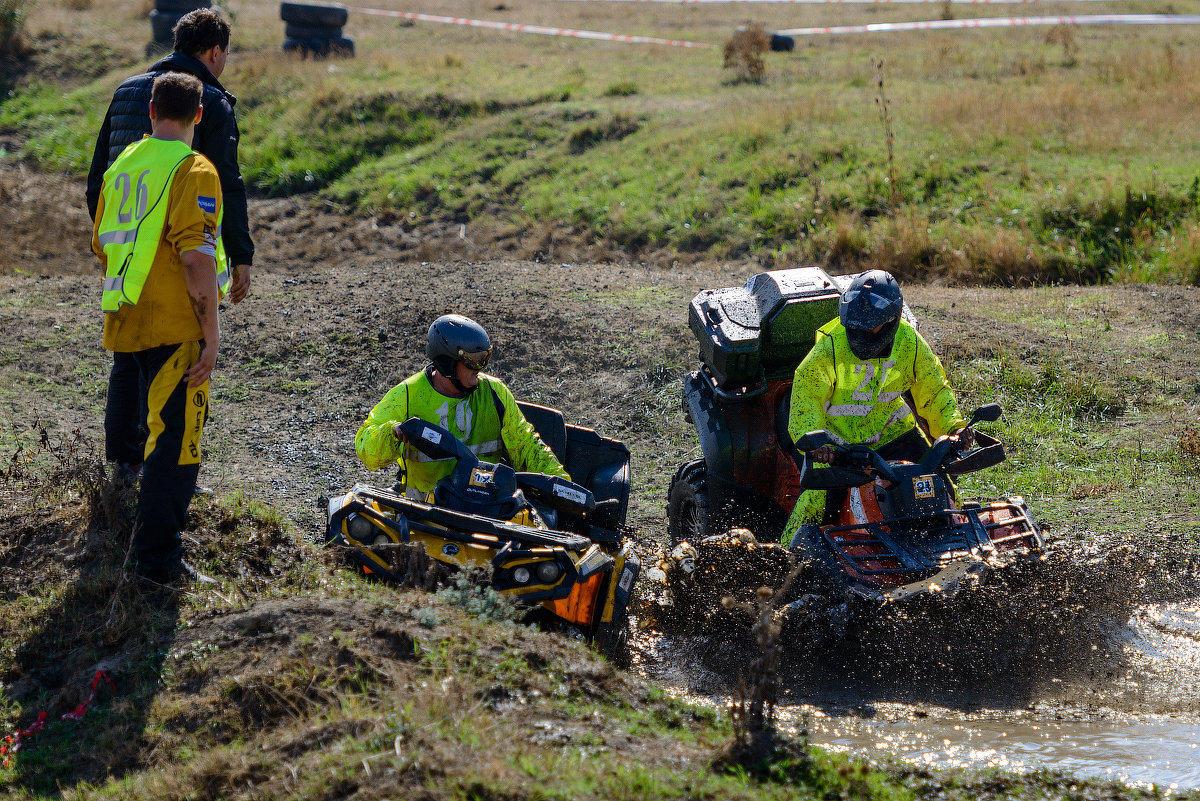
[557,493]
[855,465]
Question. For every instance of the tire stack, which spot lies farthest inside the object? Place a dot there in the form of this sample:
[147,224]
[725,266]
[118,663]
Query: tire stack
[782,44]
[166,14]
[315,30]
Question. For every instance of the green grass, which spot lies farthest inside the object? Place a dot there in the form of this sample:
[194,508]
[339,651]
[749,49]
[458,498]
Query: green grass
[1013,163]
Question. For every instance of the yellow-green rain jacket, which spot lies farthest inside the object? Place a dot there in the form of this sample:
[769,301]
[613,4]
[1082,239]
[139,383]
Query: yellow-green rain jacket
[861,401]
[475,419]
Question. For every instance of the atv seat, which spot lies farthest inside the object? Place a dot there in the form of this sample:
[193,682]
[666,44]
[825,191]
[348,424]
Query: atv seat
[593,461]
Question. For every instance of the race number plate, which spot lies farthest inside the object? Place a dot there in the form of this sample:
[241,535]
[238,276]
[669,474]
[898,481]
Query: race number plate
[923,487]
[481,478]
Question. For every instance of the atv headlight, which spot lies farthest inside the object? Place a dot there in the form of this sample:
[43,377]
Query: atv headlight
[548,572]
[522,575]
[381,539]
[359,527]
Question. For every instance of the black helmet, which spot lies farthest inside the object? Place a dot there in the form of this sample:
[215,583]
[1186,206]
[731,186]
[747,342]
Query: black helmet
[873,299]
[454,338]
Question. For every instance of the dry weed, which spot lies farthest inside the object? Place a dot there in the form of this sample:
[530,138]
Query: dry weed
[1189,446]
[752,708]
[1065,35]
[889,133]
[744,53]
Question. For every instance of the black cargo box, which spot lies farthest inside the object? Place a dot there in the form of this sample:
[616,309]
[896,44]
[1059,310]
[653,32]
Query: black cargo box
[764,329]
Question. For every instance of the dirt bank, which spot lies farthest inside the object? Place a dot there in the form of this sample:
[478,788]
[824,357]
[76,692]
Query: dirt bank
[337,316]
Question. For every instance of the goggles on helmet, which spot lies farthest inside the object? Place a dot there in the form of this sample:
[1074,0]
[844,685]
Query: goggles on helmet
[475,360]
[877,301]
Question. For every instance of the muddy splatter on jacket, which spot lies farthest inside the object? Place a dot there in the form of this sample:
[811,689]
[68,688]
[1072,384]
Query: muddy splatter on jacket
[475,419]
[861,401]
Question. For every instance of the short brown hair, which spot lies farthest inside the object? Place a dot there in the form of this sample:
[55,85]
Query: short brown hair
[201,30]
[176,96]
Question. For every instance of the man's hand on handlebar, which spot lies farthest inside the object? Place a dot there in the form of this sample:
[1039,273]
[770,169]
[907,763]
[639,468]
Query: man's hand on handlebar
[823,454]
[403,440]
[966,438]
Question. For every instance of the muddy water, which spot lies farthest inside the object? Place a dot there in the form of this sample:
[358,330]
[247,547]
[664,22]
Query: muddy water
[1091,667]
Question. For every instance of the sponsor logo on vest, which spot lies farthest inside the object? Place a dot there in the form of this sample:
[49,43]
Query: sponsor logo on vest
[208,204]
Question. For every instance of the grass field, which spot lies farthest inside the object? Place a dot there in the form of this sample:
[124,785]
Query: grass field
[1016,158]
[1013,155]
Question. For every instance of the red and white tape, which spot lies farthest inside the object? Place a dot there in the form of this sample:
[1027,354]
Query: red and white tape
[520,28]
[845,2]
[999,22]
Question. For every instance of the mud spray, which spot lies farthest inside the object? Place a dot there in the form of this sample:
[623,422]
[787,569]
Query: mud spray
[1086,661]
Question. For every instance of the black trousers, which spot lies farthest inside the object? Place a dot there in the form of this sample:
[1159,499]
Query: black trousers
[125,413]
[174,419]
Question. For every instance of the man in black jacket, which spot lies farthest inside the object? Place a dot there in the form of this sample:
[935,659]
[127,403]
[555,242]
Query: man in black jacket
[201,47]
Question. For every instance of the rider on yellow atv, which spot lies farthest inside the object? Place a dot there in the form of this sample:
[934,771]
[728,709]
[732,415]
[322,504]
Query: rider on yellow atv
[853,382]
[453,393]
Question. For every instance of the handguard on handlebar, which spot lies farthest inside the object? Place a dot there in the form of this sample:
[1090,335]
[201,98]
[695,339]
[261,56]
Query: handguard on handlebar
[841,473]
[988,452]
[558,493]
[435,441]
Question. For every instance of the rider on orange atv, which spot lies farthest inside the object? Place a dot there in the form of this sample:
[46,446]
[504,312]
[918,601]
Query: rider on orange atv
[854,383]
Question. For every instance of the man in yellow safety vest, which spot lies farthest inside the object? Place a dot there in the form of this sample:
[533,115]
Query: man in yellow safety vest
[853,381]
[452,392]
[155,233]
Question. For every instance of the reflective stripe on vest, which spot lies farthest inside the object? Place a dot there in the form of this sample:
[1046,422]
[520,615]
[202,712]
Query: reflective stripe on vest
[224,269]
[867,405]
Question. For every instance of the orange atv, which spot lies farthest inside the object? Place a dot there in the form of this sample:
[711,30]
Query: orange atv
[897,531]
[894,531]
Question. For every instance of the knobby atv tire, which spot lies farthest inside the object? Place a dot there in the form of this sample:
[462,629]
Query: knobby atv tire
[162,24]
[688,512]
[317,16]
[612,639]
[822,574]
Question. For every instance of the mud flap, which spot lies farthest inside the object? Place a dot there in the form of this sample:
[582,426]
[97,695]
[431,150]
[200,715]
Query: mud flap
[626,574]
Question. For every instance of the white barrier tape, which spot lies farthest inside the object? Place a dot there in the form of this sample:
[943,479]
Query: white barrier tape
[519,28]
[1000,22]
[846,2]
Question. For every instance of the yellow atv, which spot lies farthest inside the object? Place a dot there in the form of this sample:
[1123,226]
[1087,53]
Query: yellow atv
[552,544]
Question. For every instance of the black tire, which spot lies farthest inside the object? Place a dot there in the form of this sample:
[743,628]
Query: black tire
[320,48]
[319,16]
[294,31]
[181,6]
[782,44]
[688,513]
[162,25]
[612,639]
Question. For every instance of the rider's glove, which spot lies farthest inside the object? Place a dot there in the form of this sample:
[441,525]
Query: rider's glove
[966,438]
